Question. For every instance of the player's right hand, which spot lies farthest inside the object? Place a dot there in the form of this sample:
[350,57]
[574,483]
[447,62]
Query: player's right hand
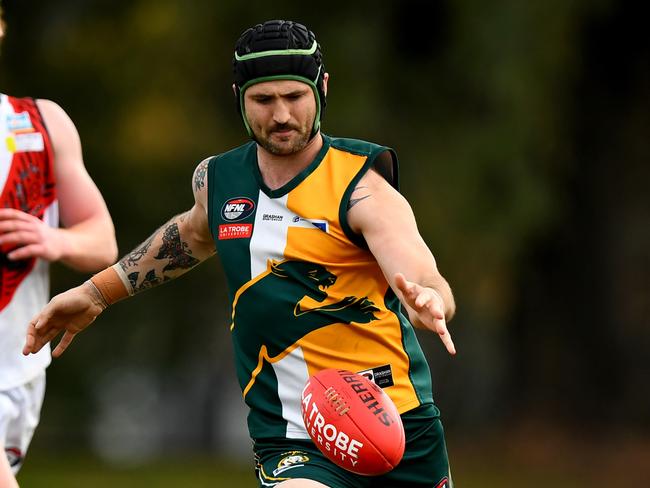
[25,236]
[427,308]
[69,312]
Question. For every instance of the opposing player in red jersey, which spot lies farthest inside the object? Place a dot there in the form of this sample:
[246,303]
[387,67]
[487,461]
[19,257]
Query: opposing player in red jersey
[42,175]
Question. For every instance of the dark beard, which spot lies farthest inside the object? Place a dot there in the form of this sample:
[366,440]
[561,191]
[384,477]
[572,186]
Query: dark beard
[280,151]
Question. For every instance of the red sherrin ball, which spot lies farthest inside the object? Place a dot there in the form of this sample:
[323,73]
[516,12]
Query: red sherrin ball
[353,422]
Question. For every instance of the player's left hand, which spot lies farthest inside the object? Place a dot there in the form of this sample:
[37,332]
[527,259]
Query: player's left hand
[69,313]
[428,307]
[23,236]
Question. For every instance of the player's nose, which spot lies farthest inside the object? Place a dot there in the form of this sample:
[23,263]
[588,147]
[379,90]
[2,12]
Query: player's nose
[281,113]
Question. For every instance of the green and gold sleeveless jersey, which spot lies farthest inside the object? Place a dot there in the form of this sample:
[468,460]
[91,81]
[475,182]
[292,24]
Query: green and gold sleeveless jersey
[306,292]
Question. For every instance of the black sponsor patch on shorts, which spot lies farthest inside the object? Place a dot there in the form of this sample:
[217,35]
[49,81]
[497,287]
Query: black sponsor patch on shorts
[382,376]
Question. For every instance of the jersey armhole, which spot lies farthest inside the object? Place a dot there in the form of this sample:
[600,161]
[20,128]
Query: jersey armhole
[384,161]
[211,192]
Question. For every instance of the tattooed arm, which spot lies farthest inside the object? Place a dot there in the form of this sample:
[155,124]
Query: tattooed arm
[173,249]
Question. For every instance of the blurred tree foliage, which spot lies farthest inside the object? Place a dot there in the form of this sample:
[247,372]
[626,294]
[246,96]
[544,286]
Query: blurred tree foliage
[522,133]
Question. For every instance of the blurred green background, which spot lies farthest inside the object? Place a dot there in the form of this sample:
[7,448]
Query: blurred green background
[523,134]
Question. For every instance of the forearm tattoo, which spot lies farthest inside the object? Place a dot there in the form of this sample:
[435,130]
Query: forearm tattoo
[199,175]
[175,250]
[150,280]
[146,267]
[136,255]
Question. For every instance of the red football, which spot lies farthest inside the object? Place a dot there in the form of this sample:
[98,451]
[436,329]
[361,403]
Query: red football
[353,422]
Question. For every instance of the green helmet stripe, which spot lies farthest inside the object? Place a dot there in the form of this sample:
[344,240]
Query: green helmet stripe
[278,52]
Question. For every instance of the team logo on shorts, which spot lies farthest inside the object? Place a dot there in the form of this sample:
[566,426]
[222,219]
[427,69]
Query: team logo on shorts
[237,209]
[291,459]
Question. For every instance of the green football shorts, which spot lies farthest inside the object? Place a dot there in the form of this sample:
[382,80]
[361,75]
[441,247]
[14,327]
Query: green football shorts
[424,465]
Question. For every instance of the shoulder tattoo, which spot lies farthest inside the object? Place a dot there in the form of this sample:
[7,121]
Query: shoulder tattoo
[354,201]
[200,175]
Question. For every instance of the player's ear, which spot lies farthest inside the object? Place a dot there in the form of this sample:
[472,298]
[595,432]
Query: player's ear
[326,77]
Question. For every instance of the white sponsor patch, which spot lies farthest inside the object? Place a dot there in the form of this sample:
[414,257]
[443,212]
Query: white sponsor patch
[30,142]
[318,223]
[19,121]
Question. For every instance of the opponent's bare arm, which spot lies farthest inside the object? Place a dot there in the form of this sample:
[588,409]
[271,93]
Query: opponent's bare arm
[87,240]
[172,250]
[386,221]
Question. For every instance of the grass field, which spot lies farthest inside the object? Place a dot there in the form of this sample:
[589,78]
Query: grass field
[517,463]
[78,471]
[81,472]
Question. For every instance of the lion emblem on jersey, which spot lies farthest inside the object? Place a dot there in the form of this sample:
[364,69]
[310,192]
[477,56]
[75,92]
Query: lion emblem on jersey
[299,287]
[317,280]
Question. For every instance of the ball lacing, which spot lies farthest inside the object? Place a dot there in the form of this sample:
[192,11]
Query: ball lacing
[336,401]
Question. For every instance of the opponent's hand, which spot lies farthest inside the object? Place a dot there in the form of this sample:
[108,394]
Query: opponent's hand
[428,307]
[25,236]
[69,312]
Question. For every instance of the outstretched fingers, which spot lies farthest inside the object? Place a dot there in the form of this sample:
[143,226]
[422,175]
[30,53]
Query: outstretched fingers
[39,333]
[47,337]
[63,344]
[420,297]
[32,345]
[427,303]
[405,286]
[30,341]
[445,336]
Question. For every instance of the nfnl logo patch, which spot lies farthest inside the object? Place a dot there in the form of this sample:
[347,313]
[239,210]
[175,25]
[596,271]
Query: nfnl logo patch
[235,231]
[237,209]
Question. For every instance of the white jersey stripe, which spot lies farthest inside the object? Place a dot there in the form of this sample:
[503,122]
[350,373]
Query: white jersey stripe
[269,241]
[266,244]
[292,374]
